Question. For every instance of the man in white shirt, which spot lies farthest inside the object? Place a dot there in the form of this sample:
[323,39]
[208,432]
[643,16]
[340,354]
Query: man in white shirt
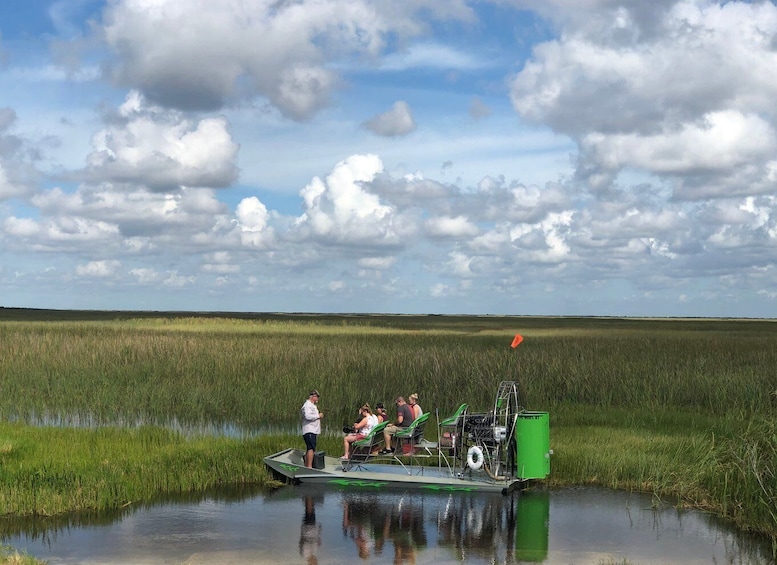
[311,425]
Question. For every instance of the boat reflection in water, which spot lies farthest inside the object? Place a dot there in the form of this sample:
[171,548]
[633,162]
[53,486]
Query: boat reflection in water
[375,529]
[334,525]
[484,528]
[509,529]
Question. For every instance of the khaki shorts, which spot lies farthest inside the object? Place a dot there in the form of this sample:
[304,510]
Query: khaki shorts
[391,429]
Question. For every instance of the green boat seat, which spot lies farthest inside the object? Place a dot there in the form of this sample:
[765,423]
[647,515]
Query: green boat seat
[453,421]
[412,436]
[451,431]
[362,449]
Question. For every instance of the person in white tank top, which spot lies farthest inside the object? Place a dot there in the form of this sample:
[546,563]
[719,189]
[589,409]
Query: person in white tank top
[362,429]
[413,402]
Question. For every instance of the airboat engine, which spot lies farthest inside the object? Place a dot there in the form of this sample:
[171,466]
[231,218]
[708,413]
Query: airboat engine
[507,442]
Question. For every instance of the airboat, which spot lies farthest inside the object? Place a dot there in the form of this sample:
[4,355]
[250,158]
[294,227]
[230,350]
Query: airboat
[496,451]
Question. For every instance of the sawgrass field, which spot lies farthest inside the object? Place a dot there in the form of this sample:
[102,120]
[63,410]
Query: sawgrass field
[100,410]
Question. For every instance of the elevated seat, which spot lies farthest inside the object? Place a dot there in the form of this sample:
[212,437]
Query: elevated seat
[455,420]
[451,429]
[451,436]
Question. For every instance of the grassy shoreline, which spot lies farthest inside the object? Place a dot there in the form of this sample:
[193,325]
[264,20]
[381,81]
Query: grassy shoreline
[50,471]
[679,408]
[109,469]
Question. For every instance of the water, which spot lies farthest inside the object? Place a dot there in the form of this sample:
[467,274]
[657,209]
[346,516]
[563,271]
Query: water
[224,428]
[326,526]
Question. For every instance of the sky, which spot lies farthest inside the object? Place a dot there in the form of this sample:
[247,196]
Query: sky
[490,157]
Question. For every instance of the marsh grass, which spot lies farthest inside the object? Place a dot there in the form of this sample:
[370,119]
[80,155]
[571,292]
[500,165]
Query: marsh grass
[9,556]
[225,370]
[680,408]
[48,471]
[253,373]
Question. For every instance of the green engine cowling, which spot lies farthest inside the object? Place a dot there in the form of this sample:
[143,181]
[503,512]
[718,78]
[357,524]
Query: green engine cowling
[532,438]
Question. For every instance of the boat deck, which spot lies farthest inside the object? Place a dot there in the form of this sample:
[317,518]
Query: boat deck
[383,472]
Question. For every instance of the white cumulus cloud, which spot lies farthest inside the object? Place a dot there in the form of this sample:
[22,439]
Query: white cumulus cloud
[338,208]
[163,150]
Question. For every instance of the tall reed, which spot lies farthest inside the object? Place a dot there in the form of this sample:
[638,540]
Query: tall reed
[254,373]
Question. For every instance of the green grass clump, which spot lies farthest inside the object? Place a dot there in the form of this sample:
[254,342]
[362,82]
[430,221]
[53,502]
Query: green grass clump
[722,465]
[9,556]
[49,471]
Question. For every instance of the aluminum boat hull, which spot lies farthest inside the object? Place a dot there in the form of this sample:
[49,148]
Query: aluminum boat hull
[382,473]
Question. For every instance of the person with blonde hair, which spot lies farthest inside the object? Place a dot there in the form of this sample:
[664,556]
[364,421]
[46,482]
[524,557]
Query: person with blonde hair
[362,428]
[412,400]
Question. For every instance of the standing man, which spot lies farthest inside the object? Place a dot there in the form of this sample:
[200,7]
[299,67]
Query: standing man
[311,425]
[404,419]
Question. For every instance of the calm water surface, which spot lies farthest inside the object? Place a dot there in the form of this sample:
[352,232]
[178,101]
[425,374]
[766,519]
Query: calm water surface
[325,526]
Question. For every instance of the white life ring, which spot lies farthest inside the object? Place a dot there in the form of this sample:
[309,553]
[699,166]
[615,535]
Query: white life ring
[475,458]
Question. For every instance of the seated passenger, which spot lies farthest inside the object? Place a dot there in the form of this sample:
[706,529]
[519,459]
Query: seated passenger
[404,419]
[417,410]
[380,412]
[363,427]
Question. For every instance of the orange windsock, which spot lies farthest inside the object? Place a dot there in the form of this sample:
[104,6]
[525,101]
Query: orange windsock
[516,341]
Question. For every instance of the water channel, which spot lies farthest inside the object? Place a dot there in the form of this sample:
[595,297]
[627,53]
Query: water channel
[309,526]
